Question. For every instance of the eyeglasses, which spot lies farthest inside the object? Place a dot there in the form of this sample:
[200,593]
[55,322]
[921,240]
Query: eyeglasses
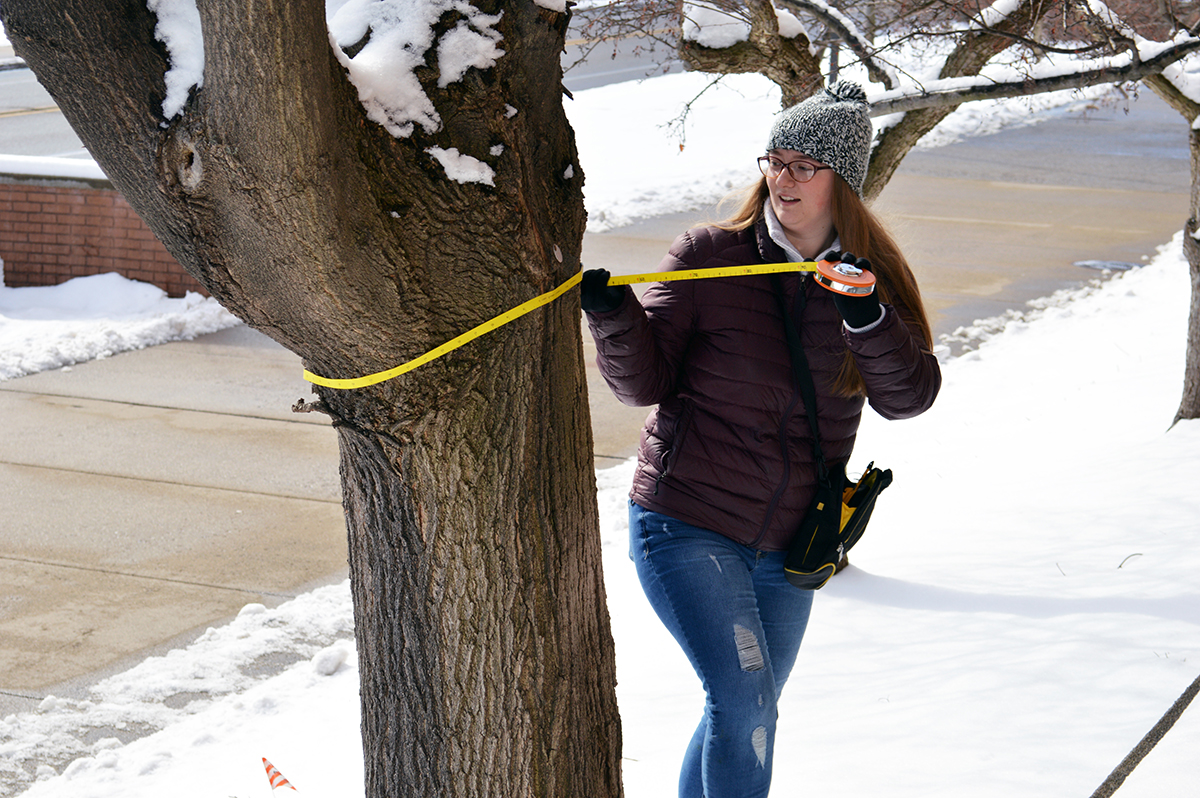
[800,171]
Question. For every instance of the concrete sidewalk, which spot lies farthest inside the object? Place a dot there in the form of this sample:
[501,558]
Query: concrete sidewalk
[150,495]
[153,494]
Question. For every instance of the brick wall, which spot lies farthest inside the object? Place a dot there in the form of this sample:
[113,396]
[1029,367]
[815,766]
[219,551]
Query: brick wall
[53,230]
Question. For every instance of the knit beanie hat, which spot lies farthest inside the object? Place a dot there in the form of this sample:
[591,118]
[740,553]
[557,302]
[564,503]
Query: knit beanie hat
[834,127]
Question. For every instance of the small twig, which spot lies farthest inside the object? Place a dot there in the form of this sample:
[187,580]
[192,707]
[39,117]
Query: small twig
[1127,559]
[1060,570]
[318,406]
[679,123]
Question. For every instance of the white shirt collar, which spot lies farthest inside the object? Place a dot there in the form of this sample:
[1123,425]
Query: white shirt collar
[775,230]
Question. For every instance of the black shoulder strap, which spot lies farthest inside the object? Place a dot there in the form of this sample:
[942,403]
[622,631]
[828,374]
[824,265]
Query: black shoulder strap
[800,372]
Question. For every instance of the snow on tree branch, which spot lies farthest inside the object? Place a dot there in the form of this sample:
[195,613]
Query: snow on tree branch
[1183,75]
[714,25]
[473,43]
[997,13]
[178,28]
[390,38]
[1111,19]
[463,168]
[1131,66]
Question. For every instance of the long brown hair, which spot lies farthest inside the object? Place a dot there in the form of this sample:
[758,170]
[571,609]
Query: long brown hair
[860,232]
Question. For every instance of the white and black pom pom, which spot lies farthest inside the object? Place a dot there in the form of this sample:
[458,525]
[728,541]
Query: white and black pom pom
[848,91]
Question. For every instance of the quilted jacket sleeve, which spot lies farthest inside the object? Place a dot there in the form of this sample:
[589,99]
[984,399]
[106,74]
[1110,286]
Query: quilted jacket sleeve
[640,346]
[901,378]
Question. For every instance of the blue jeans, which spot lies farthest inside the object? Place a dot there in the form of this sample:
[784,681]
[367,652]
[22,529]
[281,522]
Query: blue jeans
[740,624]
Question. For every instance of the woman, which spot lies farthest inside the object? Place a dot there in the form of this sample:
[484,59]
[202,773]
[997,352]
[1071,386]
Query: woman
[726,467]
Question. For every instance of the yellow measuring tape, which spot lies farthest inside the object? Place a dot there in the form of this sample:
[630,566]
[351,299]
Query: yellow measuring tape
[546,299]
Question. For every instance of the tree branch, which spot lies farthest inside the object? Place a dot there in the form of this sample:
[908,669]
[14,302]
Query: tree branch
[1174,96]
[786,62]
[849,35]
[263,92]
[972,53]
[954,93]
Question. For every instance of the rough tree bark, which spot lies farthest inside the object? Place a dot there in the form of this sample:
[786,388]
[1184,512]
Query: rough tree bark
[482,628]
[1189,404]
[786,61]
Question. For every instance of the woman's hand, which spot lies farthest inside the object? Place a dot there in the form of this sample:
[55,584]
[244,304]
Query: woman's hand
[857,311]
[596,295]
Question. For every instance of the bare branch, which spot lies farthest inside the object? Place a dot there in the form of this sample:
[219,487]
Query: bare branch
[982,89]
[1168,91]
[850,36]
[678,125]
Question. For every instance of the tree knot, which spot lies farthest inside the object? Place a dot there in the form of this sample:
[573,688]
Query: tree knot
[181,161]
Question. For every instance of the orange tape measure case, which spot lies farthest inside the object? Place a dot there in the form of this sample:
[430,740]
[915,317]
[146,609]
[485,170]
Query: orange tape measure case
[844,278]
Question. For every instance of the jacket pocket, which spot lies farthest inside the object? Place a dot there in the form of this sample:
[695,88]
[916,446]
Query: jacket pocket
[670,457]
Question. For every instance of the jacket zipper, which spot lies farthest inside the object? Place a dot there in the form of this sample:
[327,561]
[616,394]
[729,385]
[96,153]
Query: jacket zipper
[785,449]
[787,470]
[685,426]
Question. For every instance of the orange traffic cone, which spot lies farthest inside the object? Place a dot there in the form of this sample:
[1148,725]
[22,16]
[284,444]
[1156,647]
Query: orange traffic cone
[277,779]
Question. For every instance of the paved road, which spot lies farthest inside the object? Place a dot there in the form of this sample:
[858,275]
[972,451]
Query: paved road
[1139,145]
[30,123]
[150,495]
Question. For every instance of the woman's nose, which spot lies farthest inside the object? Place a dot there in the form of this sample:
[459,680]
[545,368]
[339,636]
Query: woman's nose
[785,177]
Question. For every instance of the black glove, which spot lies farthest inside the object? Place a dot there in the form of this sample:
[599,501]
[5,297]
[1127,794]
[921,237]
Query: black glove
[861,310]
[596,295]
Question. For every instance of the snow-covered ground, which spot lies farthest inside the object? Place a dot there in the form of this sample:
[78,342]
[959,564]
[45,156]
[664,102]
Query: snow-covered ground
[1021,612]
[93,317]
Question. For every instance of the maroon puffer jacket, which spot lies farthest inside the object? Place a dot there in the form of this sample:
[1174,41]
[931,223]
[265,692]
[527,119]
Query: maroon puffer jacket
[729,446]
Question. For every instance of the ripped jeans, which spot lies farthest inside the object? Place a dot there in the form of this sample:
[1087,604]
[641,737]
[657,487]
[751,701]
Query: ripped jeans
[740,624]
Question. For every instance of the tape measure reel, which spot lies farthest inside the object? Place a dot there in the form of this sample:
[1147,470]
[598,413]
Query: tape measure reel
[844,278]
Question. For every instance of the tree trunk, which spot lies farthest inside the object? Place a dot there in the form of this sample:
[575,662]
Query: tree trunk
[465,570]
[1189,404]
[485,652]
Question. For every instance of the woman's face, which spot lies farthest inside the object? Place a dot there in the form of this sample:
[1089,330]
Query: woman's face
[804,209]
